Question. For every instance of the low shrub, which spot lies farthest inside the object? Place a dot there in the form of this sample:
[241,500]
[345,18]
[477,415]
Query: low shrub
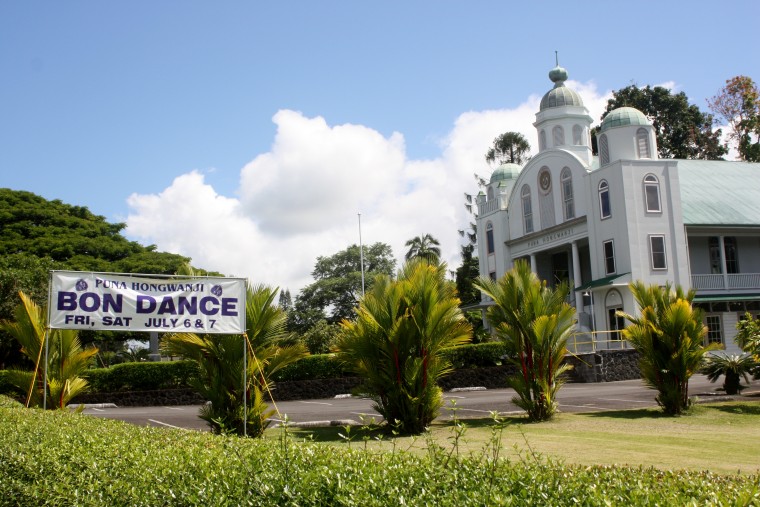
[477,355]
[63,458]
[317,366]
[142,376]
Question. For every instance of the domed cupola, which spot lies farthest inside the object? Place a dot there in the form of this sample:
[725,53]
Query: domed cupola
[562,121]
[560,95]
[503,179]
[626,134]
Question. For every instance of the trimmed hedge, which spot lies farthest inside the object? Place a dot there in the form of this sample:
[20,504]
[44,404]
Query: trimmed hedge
[63,458]
[313,367]
[477,355]
[142,376]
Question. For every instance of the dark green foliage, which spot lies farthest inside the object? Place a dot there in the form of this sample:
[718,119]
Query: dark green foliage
[142,376]
[320,338]
[466,276]
[62,459]
[477,355]
[732,367]
[338,285]
[318,366]
[509,147]
[682,130]
[424,247]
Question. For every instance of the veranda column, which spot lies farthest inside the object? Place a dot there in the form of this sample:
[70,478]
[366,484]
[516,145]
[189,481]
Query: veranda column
[577,276]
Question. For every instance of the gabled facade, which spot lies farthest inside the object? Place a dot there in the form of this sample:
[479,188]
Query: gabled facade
[600,222]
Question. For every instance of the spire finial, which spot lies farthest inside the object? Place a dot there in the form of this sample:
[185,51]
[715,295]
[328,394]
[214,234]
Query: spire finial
[556,57]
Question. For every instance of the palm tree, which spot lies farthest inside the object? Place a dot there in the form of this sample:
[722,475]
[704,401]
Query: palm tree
[221,358]
[669,336]
[66,358]
[509,147]
[534,321]
[425,247]
[733,367]
[396,343]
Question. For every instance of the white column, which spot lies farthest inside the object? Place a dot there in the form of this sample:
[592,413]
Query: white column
[577,275]
[723,261]
[533,263]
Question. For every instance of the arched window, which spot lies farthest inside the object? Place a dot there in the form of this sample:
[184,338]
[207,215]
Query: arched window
[652,193]
[567,193]
[577,135]
[604,150]
[527,210]
[558,134]
[542,140]
[642,143]
[604,200]
[490,246]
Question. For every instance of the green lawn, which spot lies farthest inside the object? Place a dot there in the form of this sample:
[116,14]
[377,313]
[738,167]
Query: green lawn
[720,437]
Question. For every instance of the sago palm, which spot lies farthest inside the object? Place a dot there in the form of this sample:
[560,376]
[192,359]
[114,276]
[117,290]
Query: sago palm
[66,357]
[733,367]
[396,343]
[534,321]
[220,359]
[669,336]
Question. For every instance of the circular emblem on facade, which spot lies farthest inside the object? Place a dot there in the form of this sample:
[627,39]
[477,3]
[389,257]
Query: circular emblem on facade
[545,181]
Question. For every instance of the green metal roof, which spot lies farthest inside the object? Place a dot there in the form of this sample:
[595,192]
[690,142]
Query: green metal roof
[623,117]
[600,282]
[717,192]
[726,297]
[506,171]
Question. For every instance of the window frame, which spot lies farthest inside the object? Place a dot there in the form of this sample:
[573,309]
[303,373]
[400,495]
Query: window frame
[604,197]
[568,200]
[652,252]
[604,150]
[490,244]
[712,332]
[643,150]
[527,209]
[577,135]
[558,136]
[651,182]
[731,249]
[609,257]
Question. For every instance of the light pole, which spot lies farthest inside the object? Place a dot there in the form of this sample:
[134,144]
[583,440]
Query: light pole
[361,252]
[593,318]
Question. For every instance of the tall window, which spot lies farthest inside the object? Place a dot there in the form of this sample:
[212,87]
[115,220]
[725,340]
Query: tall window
[642,143]
[577,135]
[558,133]
[652,193]
[713,245]
[657,252]
[609,257]
[714,329]
[542,140]
[567,193]
[604,150]
[527,210]
[489,238]
[604,200]
[732,254]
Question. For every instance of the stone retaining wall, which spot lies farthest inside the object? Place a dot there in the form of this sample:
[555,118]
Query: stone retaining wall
[601,366]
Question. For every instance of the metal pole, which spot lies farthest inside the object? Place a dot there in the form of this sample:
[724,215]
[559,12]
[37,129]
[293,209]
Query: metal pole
[361,251]
[245,387]
[46,339]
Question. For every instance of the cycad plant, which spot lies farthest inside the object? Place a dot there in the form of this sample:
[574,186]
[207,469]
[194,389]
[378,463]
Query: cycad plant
[534,321]
[669,336]
[396,343]
[66,358]
[733,367]
[220,359]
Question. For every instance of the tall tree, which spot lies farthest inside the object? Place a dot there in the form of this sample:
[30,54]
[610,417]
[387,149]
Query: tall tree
[682,130]
[396,343]
[509,147]
[738,105]
[338,285]
[424,247]
[534,321]
[669,336]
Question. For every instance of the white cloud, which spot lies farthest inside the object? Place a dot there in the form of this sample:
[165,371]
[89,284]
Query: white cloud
[300,199]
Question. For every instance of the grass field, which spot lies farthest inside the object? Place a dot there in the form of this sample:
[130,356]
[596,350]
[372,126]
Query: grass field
[719,437]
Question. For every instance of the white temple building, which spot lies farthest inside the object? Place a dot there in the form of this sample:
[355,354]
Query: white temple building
[601,222]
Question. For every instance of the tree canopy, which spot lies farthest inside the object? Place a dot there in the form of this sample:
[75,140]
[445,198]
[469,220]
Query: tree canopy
[509,147]
[424,247]
[738,105]
[682,130]
[338,285]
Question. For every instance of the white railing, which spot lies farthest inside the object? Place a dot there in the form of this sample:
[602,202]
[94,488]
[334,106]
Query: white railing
[592,341]
[488,206]
[726,282]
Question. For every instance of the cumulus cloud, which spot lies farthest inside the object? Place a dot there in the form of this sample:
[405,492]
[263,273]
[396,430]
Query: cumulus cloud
[301,199]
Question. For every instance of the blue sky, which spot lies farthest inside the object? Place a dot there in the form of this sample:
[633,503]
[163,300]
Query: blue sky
[248,135]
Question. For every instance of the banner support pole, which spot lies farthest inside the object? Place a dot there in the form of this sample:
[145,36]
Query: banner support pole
[245,386]
[46,338]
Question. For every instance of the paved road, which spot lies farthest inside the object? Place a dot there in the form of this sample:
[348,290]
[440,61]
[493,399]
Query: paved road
[572,398]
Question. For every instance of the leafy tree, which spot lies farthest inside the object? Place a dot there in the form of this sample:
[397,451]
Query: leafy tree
[534,321]
[509,147]
[748,338]
[738,105]
[320,338]
[220,359]
[66,358]
[338,285]
[669,336]
[465,276]
[286,301]
[682,130]
[424,247]
[396,343]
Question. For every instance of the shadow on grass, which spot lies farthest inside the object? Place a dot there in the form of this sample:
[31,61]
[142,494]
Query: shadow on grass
[738,408]
[631,414]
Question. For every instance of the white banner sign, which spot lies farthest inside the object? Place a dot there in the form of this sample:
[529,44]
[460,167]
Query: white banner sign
[119,302]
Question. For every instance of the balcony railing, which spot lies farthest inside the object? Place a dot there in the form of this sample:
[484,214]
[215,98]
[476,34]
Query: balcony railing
[726,282]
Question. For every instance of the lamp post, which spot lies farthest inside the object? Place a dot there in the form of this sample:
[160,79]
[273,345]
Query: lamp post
[593,318]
